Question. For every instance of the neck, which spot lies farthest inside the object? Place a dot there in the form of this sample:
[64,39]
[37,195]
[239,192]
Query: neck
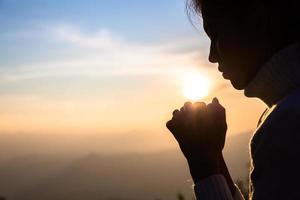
[278,77]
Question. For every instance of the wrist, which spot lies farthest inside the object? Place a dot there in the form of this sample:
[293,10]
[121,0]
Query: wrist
[201,169]
[225,172]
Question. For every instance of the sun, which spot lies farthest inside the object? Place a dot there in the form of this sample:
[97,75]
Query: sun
[195,86]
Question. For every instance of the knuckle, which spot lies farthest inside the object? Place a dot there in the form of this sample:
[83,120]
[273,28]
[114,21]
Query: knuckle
[199,104]
[175,112]
[182,108]
[210,106]
[168,124]
[187,103]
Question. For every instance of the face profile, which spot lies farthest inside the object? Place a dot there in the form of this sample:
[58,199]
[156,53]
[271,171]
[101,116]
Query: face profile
[241,43]
[236,50]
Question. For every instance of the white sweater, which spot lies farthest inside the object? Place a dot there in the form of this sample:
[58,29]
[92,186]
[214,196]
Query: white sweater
[275,154]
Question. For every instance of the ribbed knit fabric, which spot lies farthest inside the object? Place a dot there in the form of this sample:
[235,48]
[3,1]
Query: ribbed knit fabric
[278,77]
[215,187]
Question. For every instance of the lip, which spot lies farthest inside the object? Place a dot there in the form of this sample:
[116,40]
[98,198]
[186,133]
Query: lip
[220,69]
[225,75]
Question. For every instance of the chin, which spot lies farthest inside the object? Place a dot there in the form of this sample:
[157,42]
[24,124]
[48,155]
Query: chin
[239,85]
[236,81]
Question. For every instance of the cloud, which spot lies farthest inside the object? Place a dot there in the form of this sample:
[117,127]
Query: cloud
[103,53]
[106,39]
[101,39]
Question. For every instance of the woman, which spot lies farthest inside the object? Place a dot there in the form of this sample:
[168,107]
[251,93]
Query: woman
[256,45]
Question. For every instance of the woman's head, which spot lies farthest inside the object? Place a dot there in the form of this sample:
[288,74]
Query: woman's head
[245,34]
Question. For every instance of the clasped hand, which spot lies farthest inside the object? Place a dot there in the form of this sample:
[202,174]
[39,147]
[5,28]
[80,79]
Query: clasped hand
[200,131]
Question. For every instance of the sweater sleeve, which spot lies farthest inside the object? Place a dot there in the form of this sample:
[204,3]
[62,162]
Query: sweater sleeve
[214,188]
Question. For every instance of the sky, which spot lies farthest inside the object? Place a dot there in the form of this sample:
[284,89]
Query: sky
[105,67]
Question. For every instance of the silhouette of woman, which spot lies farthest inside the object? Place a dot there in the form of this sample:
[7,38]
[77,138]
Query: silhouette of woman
[256,46]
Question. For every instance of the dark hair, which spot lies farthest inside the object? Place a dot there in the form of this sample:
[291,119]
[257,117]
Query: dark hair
[229,8]
[285,13]
[286,7]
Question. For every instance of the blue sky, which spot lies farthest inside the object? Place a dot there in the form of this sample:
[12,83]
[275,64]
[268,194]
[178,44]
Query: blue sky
[24,35]
[41,32]
[128,18]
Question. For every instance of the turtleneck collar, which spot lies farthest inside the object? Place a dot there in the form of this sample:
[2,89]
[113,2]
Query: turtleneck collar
[278,77]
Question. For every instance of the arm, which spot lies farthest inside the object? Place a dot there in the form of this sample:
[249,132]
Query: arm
[219,185]
[200,131]
[201,170]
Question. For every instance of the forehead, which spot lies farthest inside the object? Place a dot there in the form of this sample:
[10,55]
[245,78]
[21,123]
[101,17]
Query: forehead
[220,21]
[213,24]
[220,12]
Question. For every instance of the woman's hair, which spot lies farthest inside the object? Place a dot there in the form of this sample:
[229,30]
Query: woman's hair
[225,8]
[244,6]
[285,13]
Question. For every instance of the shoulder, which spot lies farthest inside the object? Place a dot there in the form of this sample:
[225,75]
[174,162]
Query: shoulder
[281,128]
[291,103]
[286,112]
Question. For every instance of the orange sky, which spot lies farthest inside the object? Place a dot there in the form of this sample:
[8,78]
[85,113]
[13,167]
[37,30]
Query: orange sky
[146,107]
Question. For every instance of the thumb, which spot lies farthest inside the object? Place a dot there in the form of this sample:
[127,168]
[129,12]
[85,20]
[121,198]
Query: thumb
[217,111]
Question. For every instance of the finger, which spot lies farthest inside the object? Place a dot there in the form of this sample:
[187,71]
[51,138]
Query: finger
[217,107]
[175,129]
[199,105]
[176,112]
[188,111]
[172,126]
[182,119]
[169,125]
[215,100]
[179,119]
[188,106]
[200,108]
[200,112]
[183,114]
[217,110]
[217,113]
[182,109]
[176,115]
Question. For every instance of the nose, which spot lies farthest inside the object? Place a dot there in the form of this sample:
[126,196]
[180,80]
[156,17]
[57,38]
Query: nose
[213,53]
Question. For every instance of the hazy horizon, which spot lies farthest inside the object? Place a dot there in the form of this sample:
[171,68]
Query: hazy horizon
[76,169]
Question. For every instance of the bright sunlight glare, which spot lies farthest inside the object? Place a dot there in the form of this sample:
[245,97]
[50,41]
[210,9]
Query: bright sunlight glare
[195,86]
